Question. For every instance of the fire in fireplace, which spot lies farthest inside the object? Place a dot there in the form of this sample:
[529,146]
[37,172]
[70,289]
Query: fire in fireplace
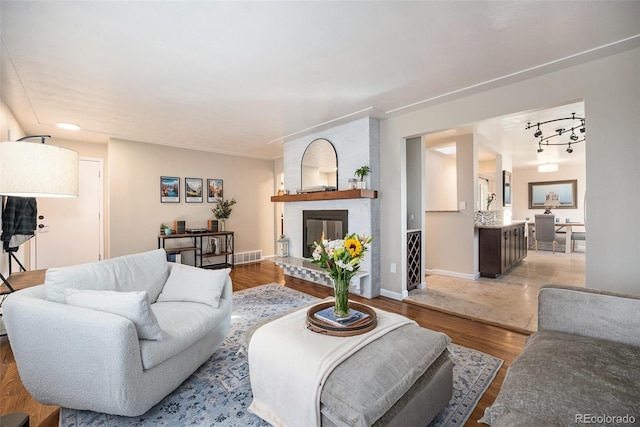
[327,224]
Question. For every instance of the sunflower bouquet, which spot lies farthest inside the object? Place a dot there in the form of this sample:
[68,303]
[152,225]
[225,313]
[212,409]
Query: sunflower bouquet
[341,259]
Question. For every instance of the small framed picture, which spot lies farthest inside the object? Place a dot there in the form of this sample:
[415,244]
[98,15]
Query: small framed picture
[214,190]
[169,189]
[506,188]
[193,190]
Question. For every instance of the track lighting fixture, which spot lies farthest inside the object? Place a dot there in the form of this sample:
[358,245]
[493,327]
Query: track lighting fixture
[576,123]
[538,133]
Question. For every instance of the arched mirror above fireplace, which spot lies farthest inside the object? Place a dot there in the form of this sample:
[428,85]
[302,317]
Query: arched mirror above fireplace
[320,167]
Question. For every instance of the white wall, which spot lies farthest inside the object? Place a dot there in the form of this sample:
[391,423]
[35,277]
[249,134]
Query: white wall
[134,194]
[487,167]
[449,236]
[442,181]
[610,88]
[9,124]
[415,184]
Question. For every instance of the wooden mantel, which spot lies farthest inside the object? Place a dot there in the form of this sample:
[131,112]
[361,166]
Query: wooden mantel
[327,195]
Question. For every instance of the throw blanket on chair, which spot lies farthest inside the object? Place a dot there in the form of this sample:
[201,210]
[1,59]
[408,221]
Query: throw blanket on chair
[289,364]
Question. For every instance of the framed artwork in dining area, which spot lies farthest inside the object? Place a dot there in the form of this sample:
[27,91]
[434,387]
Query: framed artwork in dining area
[566,192]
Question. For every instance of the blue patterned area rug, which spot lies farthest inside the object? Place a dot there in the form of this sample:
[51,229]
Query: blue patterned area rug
[219,392]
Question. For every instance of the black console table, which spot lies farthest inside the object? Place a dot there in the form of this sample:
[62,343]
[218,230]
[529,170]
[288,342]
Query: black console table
[201,244]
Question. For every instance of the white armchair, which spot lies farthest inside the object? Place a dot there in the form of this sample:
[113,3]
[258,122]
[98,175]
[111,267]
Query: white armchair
[83,358]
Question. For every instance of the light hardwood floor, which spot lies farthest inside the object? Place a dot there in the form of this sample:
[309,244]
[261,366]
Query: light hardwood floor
[511,300]
[500,342]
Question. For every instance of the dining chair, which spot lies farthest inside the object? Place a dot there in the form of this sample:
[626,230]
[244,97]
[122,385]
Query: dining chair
[545,230]
[580,235]
[577,235]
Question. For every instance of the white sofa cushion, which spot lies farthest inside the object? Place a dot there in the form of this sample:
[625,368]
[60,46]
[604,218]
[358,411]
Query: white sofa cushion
[131,305]
[183,324]
[147,271]
[190,284]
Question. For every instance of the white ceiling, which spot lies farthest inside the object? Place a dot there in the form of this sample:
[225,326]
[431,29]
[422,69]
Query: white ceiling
[238,77]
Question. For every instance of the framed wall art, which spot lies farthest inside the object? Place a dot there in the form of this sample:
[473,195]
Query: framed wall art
[169,189]
[214,190]
[563,193]
[193,190]
[506,188]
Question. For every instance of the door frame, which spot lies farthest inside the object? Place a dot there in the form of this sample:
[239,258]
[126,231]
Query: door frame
[100,161]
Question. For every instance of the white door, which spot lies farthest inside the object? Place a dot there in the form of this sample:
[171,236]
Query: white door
[69,230]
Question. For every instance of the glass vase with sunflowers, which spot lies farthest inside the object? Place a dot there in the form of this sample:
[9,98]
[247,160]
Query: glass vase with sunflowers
[341,259]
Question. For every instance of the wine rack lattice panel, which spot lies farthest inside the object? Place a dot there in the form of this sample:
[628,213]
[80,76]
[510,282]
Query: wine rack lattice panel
[414,259]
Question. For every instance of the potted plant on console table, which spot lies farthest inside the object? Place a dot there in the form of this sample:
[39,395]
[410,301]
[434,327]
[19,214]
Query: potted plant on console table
[341,259]
[222,211]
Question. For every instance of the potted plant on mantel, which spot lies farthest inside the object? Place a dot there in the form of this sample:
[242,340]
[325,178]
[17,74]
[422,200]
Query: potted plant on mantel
[362,172]
[222,211]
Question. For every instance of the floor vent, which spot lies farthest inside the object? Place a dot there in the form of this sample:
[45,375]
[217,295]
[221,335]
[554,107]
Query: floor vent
[247,257]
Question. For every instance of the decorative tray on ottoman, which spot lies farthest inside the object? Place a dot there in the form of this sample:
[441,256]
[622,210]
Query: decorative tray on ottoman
[366,322]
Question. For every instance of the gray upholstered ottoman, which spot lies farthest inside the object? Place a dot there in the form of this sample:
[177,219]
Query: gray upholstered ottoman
[403,378]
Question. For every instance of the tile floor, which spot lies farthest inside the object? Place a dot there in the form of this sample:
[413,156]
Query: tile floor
[511,299]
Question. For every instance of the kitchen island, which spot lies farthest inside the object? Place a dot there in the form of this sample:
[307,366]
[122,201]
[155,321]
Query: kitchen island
[501,246]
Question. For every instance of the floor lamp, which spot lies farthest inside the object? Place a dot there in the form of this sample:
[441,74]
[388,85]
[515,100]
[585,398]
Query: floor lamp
[29,169]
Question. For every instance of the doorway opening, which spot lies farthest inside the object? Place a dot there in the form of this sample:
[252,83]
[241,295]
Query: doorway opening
[502,147]
[71,231]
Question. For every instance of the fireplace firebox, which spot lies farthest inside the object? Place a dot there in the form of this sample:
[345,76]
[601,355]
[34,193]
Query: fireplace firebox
[319,224]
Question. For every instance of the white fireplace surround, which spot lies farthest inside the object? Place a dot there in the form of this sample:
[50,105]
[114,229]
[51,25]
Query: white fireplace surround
[357,143]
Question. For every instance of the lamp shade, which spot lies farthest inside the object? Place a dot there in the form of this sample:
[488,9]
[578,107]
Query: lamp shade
[30,169]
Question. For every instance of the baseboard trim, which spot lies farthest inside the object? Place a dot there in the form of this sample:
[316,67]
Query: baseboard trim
[452,274]
[394,295]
